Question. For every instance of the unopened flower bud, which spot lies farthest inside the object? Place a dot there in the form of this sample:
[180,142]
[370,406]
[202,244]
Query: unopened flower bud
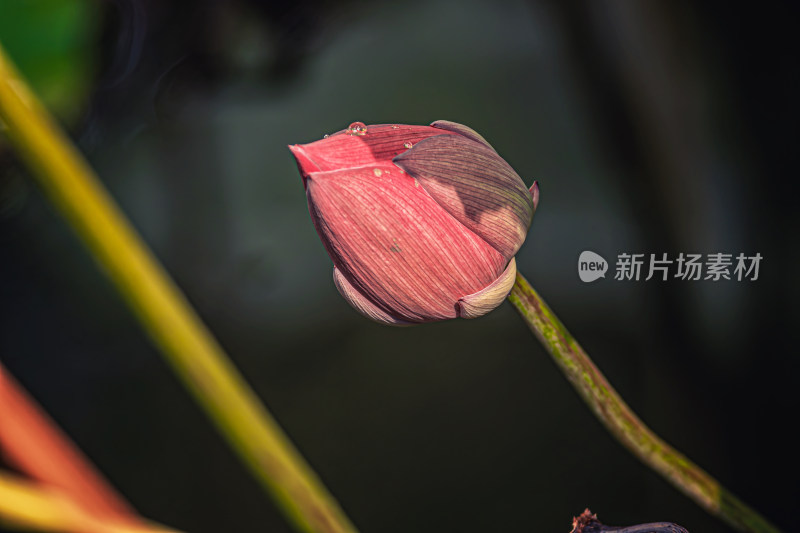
[422,222]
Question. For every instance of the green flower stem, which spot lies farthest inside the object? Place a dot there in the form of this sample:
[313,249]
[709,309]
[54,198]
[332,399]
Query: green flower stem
[163,311]
[622,422]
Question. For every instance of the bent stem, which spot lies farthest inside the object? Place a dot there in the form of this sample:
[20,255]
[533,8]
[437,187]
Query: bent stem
[163,311]
[622,422]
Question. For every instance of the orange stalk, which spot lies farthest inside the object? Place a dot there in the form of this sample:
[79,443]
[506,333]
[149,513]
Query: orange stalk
[32,442]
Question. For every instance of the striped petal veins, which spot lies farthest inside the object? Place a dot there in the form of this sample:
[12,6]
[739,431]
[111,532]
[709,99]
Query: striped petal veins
[422,222]
[396,245]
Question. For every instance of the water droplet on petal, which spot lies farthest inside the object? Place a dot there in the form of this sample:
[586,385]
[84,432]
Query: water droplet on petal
[395,127]
[357,128]
[326,136]
[377,172]
[407,144]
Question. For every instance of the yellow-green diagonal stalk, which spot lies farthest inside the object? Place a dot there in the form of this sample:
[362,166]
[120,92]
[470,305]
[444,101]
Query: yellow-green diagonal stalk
[622,422]
[163,310]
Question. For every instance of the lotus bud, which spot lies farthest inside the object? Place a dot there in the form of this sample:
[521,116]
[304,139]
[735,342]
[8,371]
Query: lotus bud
[422,222]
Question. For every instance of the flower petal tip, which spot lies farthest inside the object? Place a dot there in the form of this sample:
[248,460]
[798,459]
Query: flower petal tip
[475,185]
[535,194]
[489,298]
[462,130]
[305,164]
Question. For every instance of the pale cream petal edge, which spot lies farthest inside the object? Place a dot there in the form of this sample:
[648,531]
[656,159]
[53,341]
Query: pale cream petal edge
[488,298]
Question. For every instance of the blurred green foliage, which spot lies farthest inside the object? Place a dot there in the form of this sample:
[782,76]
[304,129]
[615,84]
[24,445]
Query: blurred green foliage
[51,42]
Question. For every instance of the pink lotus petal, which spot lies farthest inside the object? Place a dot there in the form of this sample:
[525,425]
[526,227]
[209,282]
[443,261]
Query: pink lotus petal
[534,190]
[361,303]
[379,144]
[396,245]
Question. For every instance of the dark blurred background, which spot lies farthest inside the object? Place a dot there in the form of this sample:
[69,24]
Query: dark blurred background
[652,127]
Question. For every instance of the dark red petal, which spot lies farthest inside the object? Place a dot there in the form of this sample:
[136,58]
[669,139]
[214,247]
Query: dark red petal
[396,245]
[462,130]
[476,186]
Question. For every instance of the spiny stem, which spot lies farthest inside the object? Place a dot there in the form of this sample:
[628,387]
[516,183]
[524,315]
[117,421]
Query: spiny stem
[622,422]
[164,312]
